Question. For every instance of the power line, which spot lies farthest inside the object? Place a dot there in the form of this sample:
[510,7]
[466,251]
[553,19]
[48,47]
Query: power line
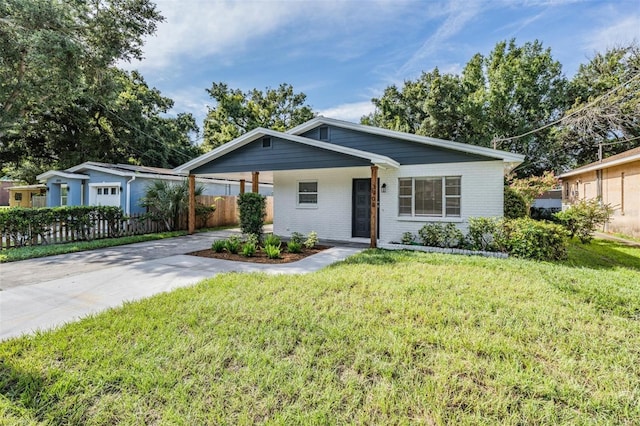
[495,141]
[132,127]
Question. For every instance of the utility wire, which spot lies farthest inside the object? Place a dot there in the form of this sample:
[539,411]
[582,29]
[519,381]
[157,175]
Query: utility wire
[495,141]
[132,127]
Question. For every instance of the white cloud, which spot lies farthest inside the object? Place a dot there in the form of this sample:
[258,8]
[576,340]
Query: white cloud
[349,112]
[620,32]
[224,30]
[458,14]
[202,28]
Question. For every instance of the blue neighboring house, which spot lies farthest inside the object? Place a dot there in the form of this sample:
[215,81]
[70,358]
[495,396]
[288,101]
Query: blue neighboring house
[121,185]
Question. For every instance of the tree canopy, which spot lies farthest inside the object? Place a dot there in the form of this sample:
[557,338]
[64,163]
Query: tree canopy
[52,49]
[513,90]
[62,100]
[606,106]
[237,112]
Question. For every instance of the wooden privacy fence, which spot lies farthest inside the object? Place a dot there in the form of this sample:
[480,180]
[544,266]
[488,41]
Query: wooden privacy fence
[227,210]
[64,231]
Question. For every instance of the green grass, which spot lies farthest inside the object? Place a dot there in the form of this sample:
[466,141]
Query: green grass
[31,252]
[382,338]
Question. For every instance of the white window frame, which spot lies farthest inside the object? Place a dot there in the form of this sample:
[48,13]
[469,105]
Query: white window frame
[445,197]
[64,194]
[298,193]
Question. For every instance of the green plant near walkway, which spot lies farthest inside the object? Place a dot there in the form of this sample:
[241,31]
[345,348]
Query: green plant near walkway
[271,240]
[294,247]
[382,338]
[584,217]
[253,210]
[249,249]
[272,252]
[312,240]
[232,244]
[219,245]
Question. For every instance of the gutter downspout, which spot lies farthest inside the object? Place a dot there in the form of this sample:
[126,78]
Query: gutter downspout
[128,201]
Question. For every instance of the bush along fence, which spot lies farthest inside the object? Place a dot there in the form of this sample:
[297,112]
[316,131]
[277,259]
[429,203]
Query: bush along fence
[28,227]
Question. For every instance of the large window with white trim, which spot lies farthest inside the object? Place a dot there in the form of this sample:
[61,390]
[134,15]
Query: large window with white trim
[308,193]
[438,196]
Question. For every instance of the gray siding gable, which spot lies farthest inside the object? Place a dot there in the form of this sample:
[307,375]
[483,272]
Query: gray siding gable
[282,155]
[404,152]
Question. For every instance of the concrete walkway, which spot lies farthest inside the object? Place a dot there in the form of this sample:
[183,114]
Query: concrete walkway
[40,294]
[610,237]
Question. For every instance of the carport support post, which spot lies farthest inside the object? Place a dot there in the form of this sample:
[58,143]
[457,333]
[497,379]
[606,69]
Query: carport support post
[374,207]
[254,182]
[192,204]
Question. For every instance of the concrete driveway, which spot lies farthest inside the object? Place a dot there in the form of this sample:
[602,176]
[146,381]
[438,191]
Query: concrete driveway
[40,294]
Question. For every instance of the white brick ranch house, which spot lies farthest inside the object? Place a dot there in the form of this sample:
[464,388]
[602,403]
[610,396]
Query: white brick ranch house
[348,181]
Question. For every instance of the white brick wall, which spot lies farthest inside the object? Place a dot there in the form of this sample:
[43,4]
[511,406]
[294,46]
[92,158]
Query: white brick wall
[332,218]
[482,195]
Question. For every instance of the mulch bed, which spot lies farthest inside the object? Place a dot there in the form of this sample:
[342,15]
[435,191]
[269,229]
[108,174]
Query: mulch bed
[260,256]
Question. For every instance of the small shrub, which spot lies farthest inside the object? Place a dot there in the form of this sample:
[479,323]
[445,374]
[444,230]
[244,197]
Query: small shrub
[584,217]
[437,235]
[535,240]
[294,247]
[312,240]
[219,245]
[408,238]
[252,207]
[484,233]
[248,249]
[297,237]
[252,239]
[514,204]
[272,240]
[233,244]
[272,252]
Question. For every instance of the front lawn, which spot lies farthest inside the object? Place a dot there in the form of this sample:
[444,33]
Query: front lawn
[382,338]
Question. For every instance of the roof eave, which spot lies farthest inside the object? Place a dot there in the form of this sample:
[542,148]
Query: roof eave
[598,166]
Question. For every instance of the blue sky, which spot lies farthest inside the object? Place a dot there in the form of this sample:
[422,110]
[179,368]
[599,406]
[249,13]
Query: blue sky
[343,53]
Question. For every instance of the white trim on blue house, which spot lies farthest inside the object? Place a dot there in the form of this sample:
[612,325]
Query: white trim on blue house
[57,173]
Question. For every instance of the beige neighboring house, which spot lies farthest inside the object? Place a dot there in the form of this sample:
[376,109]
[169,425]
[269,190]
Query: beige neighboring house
[27,196]
[614,180]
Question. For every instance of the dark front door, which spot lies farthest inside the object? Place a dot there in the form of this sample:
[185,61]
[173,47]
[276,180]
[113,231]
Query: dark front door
[361,209]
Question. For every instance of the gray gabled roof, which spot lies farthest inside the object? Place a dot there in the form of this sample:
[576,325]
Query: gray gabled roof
[508,157]
[255,134]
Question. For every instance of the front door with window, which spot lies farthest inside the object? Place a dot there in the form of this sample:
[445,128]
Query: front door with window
[361,209]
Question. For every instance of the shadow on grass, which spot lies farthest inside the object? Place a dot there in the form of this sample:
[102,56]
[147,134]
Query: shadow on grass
[371,257]
[602,254]
[23,389]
